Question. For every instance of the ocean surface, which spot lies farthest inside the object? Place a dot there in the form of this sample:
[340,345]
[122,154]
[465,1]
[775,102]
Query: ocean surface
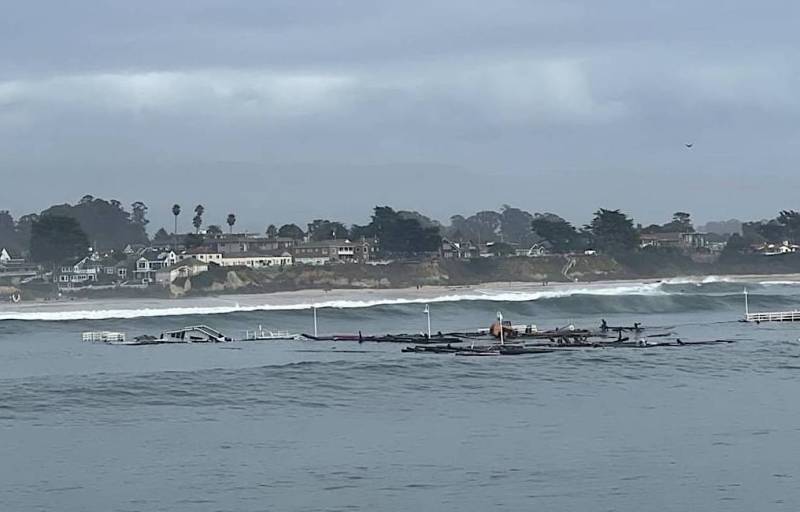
[322,426]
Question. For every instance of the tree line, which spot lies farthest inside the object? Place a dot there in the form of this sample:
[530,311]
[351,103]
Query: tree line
[64,231]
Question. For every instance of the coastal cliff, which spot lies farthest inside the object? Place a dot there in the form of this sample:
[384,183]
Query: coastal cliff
[399,275]
[223,280]
[472,272]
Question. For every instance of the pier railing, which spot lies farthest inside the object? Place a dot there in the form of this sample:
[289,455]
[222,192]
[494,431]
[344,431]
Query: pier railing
[769,316]
[103,336]
[773,316]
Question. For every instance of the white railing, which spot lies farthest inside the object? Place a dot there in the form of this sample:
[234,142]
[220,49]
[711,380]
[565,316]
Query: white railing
[263,334]
[773,316]
[769,316]
[103,336]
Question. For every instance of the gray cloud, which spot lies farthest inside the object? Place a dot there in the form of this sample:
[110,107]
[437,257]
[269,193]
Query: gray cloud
[284,111]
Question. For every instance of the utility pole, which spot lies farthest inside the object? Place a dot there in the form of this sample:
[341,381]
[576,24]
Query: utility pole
[428,314]
[315,320]
[502,328]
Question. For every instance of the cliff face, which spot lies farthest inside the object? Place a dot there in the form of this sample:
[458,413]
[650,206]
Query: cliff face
[398,275]
[640,265]
[454,273]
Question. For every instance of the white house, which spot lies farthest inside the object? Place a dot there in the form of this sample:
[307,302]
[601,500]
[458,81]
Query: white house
[203,254]
[252,260]
[185,268]
[152,261]
[778,249]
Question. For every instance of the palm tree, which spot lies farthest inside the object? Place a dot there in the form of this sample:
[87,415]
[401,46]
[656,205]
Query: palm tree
[197,221]
[231,221]
[176,210]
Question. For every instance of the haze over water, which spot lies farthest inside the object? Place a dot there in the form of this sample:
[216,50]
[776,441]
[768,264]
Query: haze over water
[306,426]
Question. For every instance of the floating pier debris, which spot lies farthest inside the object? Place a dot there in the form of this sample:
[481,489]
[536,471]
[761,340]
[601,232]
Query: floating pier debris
[769,316]
[388,338]
[103,337]
[192,334]
[262,334]
[517,350]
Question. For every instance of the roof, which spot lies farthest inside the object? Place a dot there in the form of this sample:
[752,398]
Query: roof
[188,262]
[10,254]
[77,261]
[330,243]
[107,262]
[258,254]
[467,244]
[200,250]
[154,254]
[248,239]
[671,237]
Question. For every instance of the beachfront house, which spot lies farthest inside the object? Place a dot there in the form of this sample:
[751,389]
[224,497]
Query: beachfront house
[332,251]
[683,241]
[458,250]
[275,259]
[229,244]
[184,268]
[80,273]
[778,249]
[204,254]
[537,250]
[110,268]
[14,269]
[150,261]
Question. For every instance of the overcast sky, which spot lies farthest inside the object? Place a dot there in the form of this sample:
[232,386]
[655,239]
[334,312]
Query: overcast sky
[284,111]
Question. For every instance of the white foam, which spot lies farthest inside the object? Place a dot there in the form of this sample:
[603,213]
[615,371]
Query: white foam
[699,280]
[477,295]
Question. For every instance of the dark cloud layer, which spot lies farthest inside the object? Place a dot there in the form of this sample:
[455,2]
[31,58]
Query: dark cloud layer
[283,111]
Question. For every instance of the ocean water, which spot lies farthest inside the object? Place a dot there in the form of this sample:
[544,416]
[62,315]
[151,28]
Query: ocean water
[320,426]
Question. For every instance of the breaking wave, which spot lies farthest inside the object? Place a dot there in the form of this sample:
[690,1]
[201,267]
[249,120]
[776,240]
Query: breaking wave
[644,289]
[688,293]
[699,280]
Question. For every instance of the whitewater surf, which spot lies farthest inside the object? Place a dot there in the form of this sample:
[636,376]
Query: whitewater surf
[359,299]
